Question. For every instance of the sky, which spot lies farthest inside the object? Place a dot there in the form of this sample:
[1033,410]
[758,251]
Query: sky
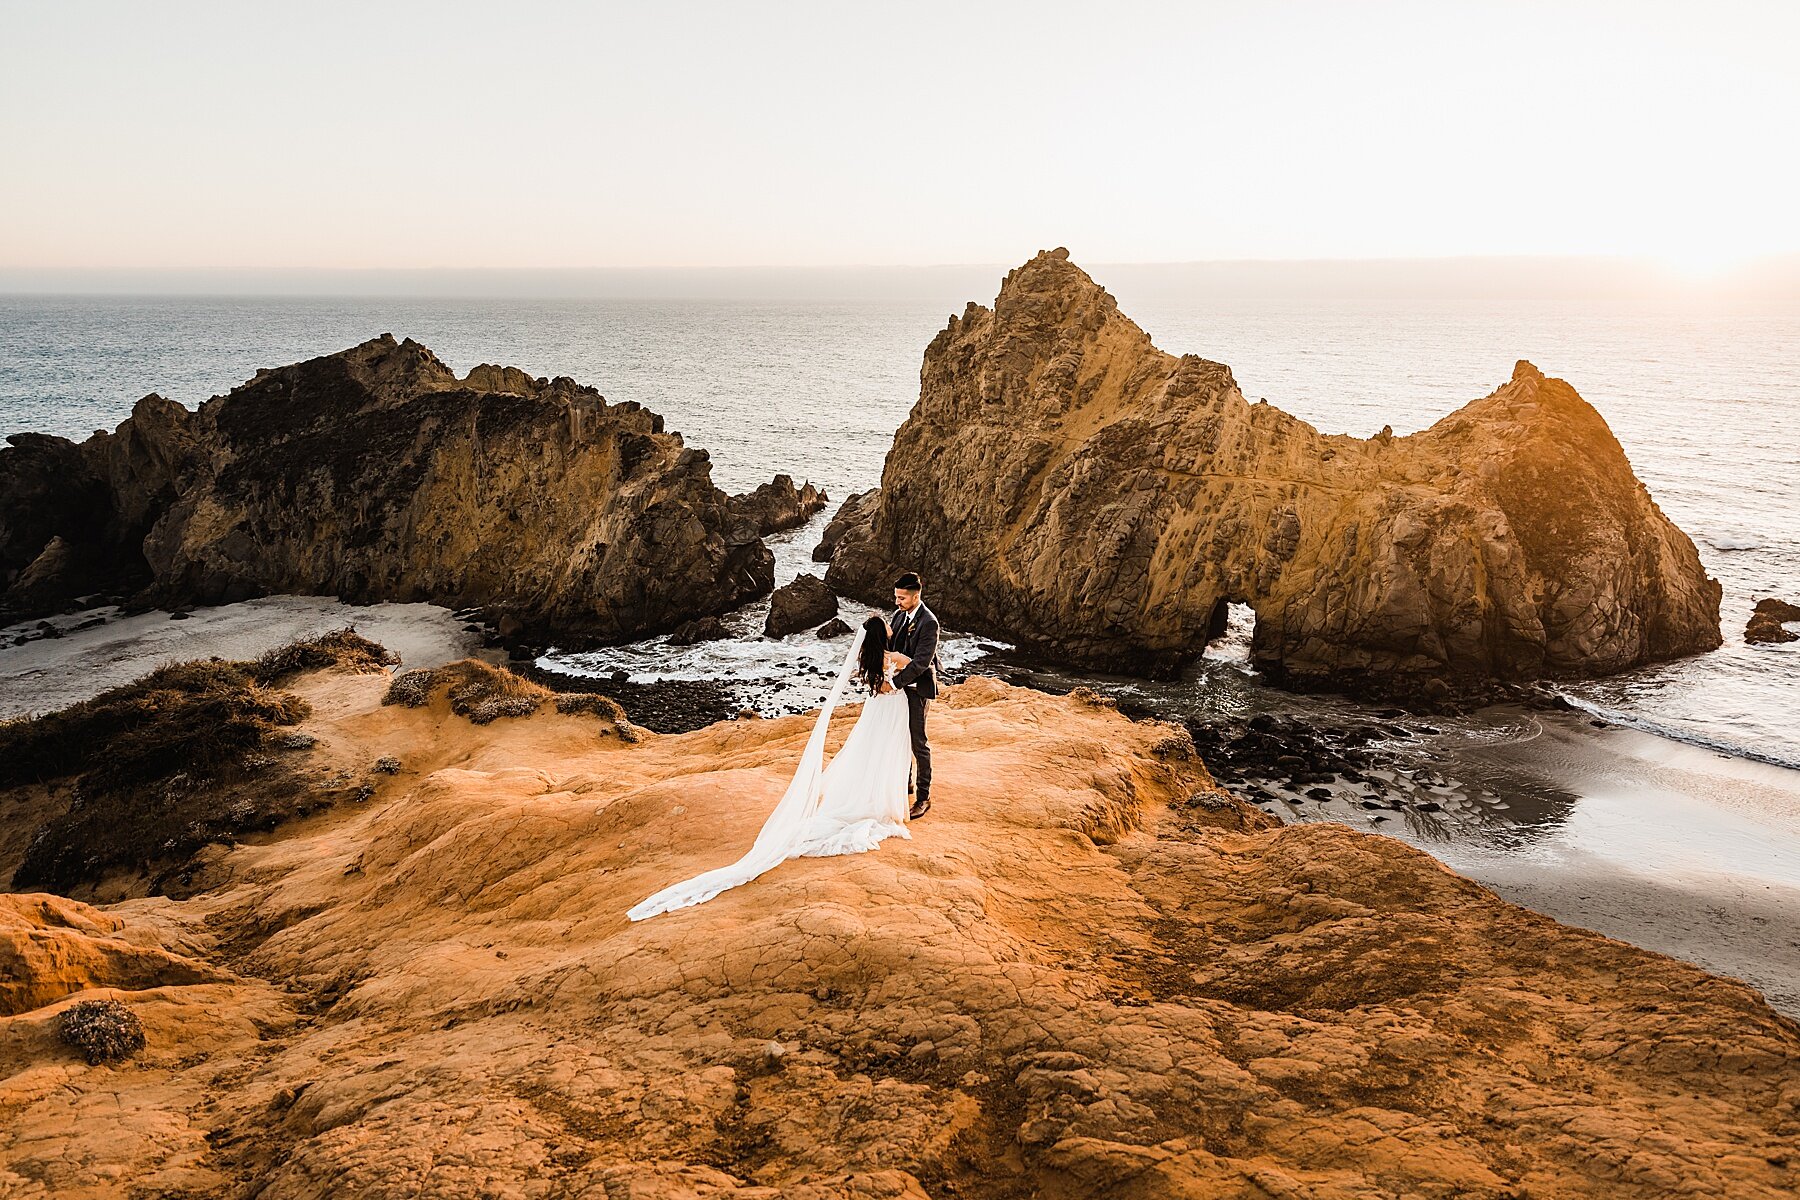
[229,137]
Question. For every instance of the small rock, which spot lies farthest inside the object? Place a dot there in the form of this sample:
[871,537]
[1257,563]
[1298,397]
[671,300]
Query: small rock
[705,629]
[802,604]
[1767,619]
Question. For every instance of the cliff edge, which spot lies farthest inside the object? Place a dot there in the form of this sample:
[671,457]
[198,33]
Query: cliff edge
[1090,972]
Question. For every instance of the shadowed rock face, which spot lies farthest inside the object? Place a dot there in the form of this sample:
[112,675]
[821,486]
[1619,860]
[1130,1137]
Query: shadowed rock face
[1064,484]
[778,505]
[377,474]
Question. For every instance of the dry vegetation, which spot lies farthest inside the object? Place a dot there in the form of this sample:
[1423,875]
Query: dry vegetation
[154,769]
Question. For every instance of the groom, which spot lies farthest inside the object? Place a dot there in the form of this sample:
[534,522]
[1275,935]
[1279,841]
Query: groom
[915,634]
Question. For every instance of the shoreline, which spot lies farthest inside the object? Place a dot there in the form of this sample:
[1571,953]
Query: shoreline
[1669,846]
[1649,839]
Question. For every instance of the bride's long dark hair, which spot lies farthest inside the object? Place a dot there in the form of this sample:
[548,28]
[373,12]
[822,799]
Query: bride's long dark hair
[871,662]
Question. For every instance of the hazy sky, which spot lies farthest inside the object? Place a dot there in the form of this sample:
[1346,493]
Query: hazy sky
[683,134]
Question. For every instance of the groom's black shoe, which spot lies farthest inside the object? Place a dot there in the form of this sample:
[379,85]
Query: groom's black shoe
[919,808]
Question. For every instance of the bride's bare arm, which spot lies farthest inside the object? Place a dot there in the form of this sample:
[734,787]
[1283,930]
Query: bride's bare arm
[896,660]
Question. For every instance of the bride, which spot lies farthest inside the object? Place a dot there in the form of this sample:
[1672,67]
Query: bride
[848,807]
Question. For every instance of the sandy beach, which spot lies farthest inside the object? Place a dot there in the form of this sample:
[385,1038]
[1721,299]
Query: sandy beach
[1672,847]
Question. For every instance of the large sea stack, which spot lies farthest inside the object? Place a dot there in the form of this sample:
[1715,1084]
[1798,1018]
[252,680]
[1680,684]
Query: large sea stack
[1066,485]
[377,474]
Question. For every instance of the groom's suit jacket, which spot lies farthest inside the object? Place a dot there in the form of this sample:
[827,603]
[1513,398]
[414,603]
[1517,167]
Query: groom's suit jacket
[918,640]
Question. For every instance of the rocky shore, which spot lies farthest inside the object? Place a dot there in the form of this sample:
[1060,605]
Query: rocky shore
[1091,972]
[376,474]
[1066,486]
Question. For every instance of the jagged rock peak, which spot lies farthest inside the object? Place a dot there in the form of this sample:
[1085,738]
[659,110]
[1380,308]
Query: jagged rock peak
[1070,486]
[376,474]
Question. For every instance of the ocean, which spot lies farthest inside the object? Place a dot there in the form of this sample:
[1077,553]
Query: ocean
[1705,399]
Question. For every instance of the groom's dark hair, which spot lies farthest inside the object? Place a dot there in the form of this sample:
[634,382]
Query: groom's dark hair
[908,582]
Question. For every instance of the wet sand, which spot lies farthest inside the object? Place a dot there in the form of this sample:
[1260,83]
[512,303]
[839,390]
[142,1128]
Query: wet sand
[1672,847]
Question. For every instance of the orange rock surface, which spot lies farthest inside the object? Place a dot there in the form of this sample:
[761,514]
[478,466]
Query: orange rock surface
[1089,973]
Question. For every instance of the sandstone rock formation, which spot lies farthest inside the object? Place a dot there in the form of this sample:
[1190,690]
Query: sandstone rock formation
[1064,484]
[1090,973]
[799,605]
[1767,619]
[779,505]
[377,474]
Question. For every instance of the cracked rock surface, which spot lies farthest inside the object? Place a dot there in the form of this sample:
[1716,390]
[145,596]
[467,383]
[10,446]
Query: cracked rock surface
[1090,972]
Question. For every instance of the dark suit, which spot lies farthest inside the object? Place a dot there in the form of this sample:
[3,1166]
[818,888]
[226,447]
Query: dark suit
[916,636]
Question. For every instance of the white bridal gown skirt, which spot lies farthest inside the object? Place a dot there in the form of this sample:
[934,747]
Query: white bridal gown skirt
[861,799]
[863,792]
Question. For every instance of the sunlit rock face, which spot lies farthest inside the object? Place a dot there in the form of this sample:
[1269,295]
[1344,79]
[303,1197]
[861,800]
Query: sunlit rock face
[377,474]
[1088,973]
[1066,485]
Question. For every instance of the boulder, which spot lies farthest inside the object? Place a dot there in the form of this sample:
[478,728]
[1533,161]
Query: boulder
[1767,619]
[803,603]
[377,474]
[1065,485]
[705,629]
[779,505]
[834,628]
[852,513]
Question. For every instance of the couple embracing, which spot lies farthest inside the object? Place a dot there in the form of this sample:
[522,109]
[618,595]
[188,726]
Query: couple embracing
[867,793]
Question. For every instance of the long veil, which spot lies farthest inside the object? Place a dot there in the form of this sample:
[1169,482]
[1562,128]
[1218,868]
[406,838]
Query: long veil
[783,830]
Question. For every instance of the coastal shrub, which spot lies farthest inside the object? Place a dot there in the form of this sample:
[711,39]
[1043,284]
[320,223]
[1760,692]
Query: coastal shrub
[169,762]
[604,707]
[343,648]
[410,688]
[103,1030]
[480,691]
[183,716]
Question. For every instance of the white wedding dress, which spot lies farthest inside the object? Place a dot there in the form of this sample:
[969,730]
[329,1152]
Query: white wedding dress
[849,806]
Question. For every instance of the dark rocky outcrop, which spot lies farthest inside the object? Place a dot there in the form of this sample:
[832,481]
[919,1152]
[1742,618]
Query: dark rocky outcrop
[834,628]
[1065,485]
[703,629]
[778,505]
[799,605]
[853,513]
[377,474]
[1767,619]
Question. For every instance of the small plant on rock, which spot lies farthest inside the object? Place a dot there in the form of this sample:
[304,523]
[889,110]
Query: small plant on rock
[104,1030]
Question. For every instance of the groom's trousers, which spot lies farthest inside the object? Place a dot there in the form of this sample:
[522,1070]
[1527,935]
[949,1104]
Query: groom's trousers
[921,749]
